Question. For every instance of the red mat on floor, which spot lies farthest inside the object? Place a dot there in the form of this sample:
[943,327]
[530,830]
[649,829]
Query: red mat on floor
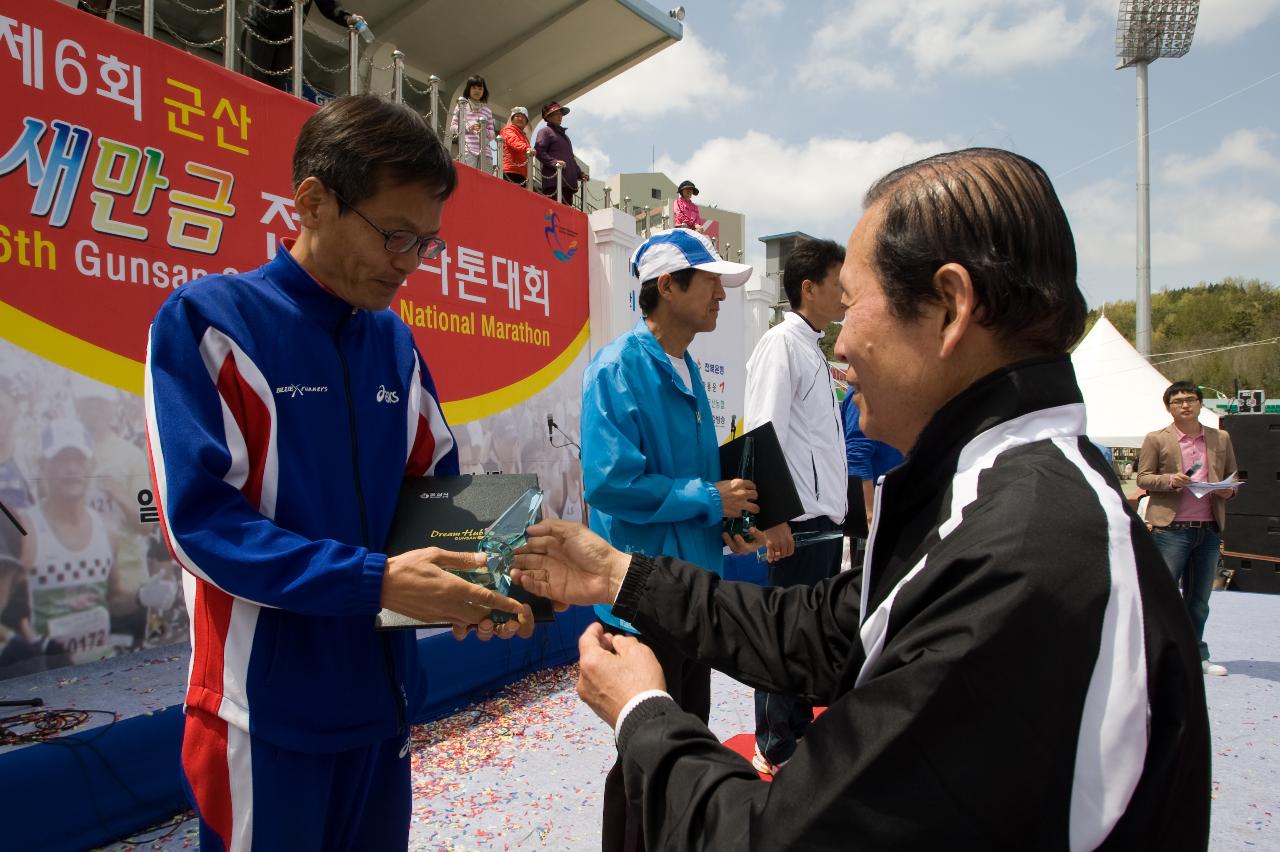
[745,744]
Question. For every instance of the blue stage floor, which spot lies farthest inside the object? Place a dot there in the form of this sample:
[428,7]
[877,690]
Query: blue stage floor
[525,770]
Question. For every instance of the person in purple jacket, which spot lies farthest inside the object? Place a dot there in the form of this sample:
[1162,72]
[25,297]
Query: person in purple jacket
[554,150]
[285,405]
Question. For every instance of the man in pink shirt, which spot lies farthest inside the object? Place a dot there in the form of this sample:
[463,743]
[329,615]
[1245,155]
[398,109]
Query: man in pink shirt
[1187,528]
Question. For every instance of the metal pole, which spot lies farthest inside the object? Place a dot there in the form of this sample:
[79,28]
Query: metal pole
[497,150]
[487,162]
[353,57]
[229,35]
[434,84]
[559,182]
[528,169]
[299,11]
[149,18]
[397,74]
[1143,318]
[462,126]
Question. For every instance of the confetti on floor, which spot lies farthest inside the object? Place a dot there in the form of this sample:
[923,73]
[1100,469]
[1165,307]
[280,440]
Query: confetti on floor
[524,769]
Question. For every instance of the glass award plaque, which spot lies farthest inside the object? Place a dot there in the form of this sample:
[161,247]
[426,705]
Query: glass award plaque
[500,541]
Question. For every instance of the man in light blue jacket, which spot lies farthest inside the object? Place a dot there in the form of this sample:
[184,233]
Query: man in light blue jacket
[651,465]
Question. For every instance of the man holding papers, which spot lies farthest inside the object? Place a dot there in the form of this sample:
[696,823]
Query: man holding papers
[1187,526]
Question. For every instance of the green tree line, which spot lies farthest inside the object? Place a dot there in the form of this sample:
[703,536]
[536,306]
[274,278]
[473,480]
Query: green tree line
[1228,313]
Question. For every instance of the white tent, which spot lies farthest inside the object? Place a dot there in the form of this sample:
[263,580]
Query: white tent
[1122,391]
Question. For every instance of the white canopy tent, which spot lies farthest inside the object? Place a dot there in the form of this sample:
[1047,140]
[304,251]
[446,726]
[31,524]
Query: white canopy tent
[1122,391]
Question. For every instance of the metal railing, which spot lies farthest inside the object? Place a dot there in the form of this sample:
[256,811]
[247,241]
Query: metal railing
[299,51]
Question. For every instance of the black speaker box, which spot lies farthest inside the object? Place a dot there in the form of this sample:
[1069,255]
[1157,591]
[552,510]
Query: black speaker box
[1253,575]
[1256,439]
[1256,534]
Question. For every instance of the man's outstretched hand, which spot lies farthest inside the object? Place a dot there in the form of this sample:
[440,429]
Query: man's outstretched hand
[569,564]
[415,584]
[612,669]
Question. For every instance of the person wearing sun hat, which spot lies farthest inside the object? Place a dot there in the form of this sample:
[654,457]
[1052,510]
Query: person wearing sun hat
[651,465]
[555,150]
[515,147]
[685,212]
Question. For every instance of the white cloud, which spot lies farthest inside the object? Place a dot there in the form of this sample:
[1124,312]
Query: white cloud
[1196,233]
[1223,20]
[596,159]
[845,74]
[684,77]
[757,11]
[815,186]
[1241,150]
[966,36]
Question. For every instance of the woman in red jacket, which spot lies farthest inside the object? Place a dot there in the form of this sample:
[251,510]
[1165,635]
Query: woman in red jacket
[515,147]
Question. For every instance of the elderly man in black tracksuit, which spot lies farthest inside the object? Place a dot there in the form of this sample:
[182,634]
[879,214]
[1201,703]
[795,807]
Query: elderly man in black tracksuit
[1018,672]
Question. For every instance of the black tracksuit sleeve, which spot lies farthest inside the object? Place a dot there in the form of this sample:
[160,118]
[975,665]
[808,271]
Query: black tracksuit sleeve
[963,735]
[793,640]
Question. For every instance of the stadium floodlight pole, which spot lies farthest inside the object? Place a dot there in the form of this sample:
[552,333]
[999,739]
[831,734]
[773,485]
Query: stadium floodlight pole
[1147,30]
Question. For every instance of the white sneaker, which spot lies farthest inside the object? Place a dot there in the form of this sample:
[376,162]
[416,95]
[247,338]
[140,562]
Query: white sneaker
[1213,669]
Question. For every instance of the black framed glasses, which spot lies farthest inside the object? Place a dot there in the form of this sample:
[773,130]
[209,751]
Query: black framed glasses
[1184,400]
[402,242]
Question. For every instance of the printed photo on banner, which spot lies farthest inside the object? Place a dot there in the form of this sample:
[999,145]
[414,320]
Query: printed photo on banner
[128,171]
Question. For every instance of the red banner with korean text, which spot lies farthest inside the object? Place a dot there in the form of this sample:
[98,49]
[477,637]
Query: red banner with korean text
[129,168]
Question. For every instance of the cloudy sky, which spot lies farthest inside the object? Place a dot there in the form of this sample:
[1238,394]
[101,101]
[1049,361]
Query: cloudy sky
[786,111]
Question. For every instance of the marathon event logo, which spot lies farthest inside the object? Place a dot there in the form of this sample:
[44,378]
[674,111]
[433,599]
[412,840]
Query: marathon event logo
[554,232]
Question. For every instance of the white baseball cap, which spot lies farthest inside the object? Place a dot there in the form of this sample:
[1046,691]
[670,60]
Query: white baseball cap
[520,111]
[65,433]
[682,248]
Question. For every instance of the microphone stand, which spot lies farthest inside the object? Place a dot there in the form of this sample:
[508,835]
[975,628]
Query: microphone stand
[552,425]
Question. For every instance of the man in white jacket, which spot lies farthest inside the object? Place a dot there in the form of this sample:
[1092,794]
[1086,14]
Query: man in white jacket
[789,384]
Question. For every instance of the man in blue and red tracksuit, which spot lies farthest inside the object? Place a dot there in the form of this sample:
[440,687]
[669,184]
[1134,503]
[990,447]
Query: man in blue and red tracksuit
[284,407]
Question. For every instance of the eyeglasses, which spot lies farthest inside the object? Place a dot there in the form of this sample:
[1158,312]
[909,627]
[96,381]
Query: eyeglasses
[1184,400]
[402,242]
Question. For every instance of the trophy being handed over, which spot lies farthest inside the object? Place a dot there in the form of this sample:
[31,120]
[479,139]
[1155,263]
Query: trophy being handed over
[501,539]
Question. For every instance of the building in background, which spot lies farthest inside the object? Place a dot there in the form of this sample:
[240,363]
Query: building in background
[648,197]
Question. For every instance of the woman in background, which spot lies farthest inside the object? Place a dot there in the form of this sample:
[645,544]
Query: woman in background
[472,123]
[686,212]
[515,147]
